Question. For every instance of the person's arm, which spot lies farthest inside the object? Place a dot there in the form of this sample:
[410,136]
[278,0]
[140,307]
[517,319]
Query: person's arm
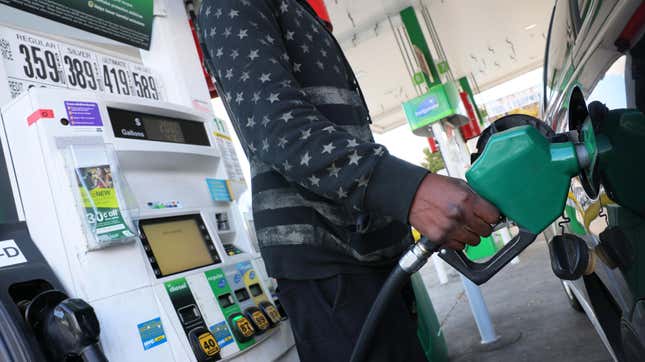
[281,127]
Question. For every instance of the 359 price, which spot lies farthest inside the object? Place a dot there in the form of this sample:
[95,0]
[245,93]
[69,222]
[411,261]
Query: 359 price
[80,73]
[145,86]
[39,64]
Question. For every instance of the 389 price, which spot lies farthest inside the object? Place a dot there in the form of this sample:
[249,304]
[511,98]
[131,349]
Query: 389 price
[80,73]
[39,64]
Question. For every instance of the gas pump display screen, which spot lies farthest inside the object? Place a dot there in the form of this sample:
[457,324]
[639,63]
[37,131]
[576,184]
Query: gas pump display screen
[177,244]
[135,125]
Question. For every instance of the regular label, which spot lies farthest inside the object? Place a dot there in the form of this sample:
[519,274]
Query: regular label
[10,253]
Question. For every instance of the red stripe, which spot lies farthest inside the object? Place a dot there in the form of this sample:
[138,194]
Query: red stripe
[37,115]
[632,29]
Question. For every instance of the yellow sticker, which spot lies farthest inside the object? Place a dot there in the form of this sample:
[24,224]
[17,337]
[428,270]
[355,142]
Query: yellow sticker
[245,327]
[260,320]
[208,344]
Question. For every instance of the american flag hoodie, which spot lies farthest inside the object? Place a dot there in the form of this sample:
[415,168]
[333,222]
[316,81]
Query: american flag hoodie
[326,198]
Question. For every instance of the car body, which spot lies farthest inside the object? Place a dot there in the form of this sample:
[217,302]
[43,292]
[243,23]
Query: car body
[591,53]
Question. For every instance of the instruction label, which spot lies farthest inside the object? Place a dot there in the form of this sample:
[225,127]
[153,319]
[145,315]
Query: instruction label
[10,253]
[83,113]
[152,333]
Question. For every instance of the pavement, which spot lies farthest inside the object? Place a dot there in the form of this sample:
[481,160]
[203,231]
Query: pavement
[524,298]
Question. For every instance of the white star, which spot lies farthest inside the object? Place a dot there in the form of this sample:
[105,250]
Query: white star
[213,31]
[328,148]
[265,77]
[227,32]
[243,34]
[273,97]
[333,170]
[305,48]
[286,117]
[256,97]
[362,182]
[352,143]
[310,37]
[323,52]
[285,83]
[270,39]
[265,144]
[304,161]
[252,147]
[239,98]
[354,158]
[330,129]
[233,13]
[218,13]
[305,134]
[208,11]
[296,67]
[265,121]
[284,7]
[255,53]
[285,56]
[235,54]
[228,97]
[327,42]
[246,2]
[286,165]
[312,117]
[220,52]
[315,181]
[341,193]
[282,142]
[229,74]
[250,122]
[289,35]
[378,151]
[320,65]
[337,69]
[314,28]
[299,13]
[245,76]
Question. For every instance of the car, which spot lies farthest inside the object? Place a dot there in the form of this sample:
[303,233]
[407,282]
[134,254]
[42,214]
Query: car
[595,51]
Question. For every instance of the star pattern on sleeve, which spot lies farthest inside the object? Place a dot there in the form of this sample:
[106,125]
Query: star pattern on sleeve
[251,45]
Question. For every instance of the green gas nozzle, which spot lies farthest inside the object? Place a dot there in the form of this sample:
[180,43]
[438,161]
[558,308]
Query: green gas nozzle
[526,176]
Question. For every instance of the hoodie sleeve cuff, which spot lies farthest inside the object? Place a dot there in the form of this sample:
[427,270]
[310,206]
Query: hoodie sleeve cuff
[392,187]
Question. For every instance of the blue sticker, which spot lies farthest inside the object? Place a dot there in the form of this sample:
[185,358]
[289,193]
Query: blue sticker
[152,333]
[252,275]
[221,283]
[219,189]
[222,334]
[237,278]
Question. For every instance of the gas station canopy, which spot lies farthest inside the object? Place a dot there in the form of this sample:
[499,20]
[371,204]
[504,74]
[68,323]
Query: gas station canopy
[488,41]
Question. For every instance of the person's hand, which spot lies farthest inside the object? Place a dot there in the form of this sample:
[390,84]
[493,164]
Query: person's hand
[447,211]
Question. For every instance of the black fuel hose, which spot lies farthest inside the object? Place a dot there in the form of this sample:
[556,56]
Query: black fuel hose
[417,256]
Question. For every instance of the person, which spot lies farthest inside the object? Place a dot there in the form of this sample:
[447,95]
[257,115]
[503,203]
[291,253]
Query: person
[332,209]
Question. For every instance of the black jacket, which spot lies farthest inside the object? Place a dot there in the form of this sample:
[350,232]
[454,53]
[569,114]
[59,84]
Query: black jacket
[326,198]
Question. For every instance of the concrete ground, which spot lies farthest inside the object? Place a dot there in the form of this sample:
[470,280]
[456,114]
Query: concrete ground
[523,298]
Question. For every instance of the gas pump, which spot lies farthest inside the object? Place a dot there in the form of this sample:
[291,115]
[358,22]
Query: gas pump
[520,158]
[117,206]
